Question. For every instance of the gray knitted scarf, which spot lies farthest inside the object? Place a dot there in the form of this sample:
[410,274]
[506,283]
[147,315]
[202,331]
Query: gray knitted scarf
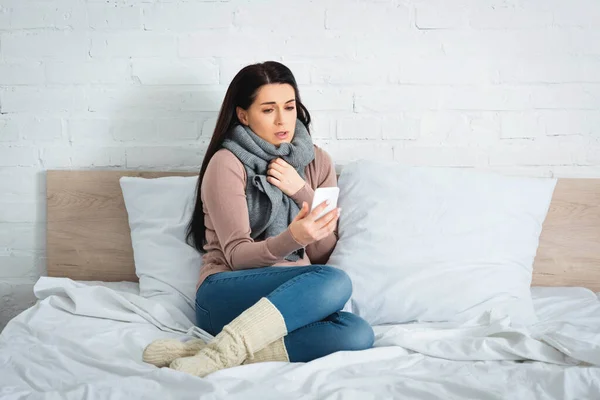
[270,210]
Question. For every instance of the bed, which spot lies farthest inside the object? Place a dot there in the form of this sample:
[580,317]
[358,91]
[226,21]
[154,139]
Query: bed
[85,335]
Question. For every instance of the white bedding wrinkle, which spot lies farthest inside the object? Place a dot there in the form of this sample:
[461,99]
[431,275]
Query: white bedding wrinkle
[86,341]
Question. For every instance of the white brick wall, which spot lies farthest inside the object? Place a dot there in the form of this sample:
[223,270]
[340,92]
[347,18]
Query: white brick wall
[511,86]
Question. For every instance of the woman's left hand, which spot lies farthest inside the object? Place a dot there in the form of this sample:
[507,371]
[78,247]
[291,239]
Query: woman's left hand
[284,176]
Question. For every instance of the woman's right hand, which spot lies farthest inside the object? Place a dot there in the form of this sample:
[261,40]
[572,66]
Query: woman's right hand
[306,229]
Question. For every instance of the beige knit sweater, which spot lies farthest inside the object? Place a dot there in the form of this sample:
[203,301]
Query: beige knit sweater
[230,246]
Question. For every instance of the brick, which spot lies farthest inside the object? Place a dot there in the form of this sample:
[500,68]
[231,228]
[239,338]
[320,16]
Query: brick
[346,151]
[177,129]
[4,17]
[20,297]
[56,157]
[534,153]
[208,127]
[133,44]
[154,100]
[136,130]
[81,156]
[401,127]
[22,211]
[520,125]
[103,100]
[323,125]
[346,72]
[20,264]
[592,155]
[45,45]
[394,99]
[577,13]
[181,72]
[438,15]
[326,45]
[42,99]
[18,156]
[109,16]
[230,44]
[327,99]
[565,96]
[41,129]
[22,236]
[576,171]
[89,130]
[550,70]
[98,157]
[273,15]
[9,130]
[90,72]
[18,183]
[491,98]
[187,16]
[28,73]
[526,16]
[385,17]
[359,127]
[515,43]
[447,156]
[55,14]
[164,157]
[445,70]
[456,128]
[569,122]
[584,42]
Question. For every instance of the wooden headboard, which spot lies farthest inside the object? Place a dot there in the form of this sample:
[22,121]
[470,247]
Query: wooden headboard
[88,235]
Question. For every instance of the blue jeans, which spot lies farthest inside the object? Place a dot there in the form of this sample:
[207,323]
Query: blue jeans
[309,298]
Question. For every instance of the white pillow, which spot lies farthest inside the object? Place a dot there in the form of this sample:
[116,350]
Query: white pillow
[159,211]
[438,244]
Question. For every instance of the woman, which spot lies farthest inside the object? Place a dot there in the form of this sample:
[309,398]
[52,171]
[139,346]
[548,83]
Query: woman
[263,289]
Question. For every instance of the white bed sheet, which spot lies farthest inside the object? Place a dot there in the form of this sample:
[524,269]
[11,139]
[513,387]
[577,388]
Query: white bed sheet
[85,340]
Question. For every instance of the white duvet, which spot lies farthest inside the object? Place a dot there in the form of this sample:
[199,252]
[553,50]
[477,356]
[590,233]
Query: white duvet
[86,341]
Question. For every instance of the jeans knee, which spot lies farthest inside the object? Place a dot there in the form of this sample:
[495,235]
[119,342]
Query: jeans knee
[360,335]
[337,286]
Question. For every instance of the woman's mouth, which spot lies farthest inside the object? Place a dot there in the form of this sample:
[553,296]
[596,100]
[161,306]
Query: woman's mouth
[282,135]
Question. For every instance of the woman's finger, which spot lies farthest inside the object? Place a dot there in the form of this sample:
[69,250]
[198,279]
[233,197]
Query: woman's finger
[276,167]
[328,228]
[273,181]
[325,219]
[317,211]
[303,211]
[281,162]
[274,173]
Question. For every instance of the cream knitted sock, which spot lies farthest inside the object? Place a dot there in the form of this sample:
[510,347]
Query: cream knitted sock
[276,351]
[162,352]
[249,333]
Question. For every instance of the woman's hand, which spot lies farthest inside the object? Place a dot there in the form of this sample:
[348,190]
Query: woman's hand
[306,229]
[284,176]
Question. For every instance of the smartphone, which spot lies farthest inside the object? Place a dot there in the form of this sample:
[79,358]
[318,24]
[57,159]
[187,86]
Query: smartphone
[327,193]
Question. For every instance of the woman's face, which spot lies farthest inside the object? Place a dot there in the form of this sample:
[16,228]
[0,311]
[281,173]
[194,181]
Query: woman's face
[273,114]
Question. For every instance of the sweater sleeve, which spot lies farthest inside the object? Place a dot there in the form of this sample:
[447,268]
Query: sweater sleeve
[320,251]
[224,197]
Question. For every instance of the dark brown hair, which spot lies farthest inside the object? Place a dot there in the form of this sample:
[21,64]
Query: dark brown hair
[242,92]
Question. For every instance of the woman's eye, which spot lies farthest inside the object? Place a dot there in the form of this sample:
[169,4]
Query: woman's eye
[268,110]
[290,108]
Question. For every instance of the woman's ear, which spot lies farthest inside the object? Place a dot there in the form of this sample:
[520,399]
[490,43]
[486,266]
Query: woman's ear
[242,115]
